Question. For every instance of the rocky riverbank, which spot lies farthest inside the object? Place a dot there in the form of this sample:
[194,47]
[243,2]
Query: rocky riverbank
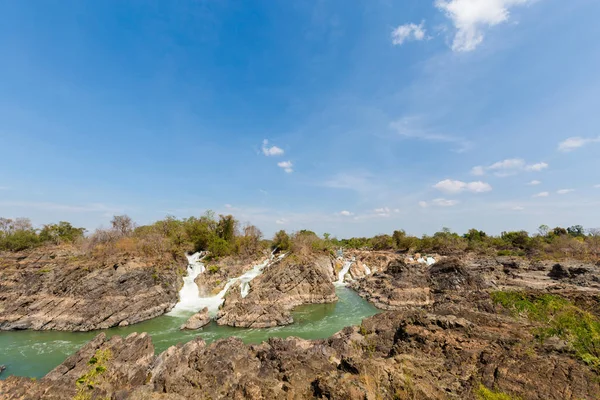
[63,289]
[448,352]
[283,285]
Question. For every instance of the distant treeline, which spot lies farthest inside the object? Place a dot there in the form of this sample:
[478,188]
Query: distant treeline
[225,236]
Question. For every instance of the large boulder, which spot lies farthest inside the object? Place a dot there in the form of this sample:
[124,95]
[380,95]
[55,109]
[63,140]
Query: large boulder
[197,320]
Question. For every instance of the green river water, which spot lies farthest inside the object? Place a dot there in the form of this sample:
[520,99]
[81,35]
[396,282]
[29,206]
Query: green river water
[35,353]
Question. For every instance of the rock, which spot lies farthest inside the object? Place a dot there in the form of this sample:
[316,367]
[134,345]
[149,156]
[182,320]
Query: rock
[558,272]
[123,323]
[63,289]
[281,287]
[2,368]
[197,320]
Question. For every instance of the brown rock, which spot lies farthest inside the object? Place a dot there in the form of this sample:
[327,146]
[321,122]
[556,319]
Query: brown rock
[197,320]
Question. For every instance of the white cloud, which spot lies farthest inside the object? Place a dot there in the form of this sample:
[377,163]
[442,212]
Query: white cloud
[518,208]
[346,213]
[452,186]
[271,151]
[444,202]
[534,183]
[478,171]
[508,167]
[412,127]
[472,17]
[286,165]
[423,204]
[281,221]
[597,186]
[408,32]
[576,142]
[382,212]
[536,167]
[228,206]
[565,191]
[542,194]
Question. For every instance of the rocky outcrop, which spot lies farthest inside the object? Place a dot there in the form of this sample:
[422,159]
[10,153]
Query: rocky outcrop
[446,353]
[220,271]
[60,288]
[197,320]
[281,287]
[400,286]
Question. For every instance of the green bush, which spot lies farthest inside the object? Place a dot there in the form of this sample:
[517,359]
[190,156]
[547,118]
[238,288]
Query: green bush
[213,269]
[558,317]
[483,393]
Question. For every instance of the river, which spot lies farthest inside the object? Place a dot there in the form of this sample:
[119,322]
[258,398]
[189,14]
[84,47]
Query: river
[35,353]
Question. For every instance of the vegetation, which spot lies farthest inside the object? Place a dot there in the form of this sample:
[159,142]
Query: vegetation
[19,234]
[557,317]
[483,393]
[223,236]
[555,243]
[97,367]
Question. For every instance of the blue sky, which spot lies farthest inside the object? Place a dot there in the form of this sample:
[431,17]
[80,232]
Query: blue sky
[354,118]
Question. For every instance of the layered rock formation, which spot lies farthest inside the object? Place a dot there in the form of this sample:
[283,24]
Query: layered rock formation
[197,320]
[445,353]
[281,287]
[62,289]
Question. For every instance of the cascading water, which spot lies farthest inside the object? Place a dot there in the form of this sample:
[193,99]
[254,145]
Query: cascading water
[189,299]
[188,295]
[343,272]
[367,269]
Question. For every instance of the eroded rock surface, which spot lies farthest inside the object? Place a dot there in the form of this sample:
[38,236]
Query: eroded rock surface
[62,289]
[445,353]
[197,320]
[281,287]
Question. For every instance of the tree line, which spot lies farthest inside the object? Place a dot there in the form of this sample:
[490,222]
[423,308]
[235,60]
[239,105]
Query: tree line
[224,236]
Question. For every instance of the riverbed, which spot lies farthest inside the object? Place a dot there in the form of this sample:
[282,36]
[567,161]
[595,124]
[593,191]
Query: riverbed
[35,353]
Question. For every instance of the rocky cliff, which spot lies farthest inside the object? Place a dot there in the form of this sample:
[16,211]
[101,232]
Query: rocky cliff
[63,289]
[282,286]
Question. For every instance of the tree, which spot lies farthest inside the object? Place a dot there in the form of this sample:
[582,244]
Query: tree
[123,225]
[281,241]
[543,230]
[226,227]
[576,231]
[60,233]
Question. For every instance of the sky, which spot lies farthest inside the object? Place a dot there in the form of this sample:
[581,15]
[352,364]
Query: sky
[352,118]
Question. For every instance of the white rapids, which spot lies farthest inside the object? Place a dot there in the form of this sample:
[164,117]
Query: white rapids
[189,298]
[343,272]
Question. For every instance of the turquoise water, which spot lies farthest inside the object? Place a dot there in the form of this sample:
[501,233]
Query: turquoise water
[35,353]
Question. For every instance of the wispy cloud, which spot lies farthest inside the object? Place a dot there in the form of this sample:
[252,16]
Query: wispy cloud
[518,208]
[472,17]
[576,142]
[508,167]
[346,213]
[408,32]
[412,128]
[286,166]
[453,187]
[94,207]
[441,202]
[271,151]
[534,183]
[565,191]
[542,194]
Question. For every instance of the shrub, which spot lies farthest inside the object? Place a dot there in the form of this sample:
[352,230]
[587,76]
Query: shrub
[557,317]
[483,393]
[213,269]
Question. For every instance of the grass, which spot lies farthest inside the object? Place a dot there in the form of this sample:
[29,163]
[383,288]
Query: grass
[483,393]
[558,317]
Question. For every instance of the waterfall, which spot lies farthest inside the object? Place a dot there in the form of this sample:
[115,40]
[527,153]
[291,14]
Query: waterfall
[189,299]
[430,261]
[343,273]
[188,295]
